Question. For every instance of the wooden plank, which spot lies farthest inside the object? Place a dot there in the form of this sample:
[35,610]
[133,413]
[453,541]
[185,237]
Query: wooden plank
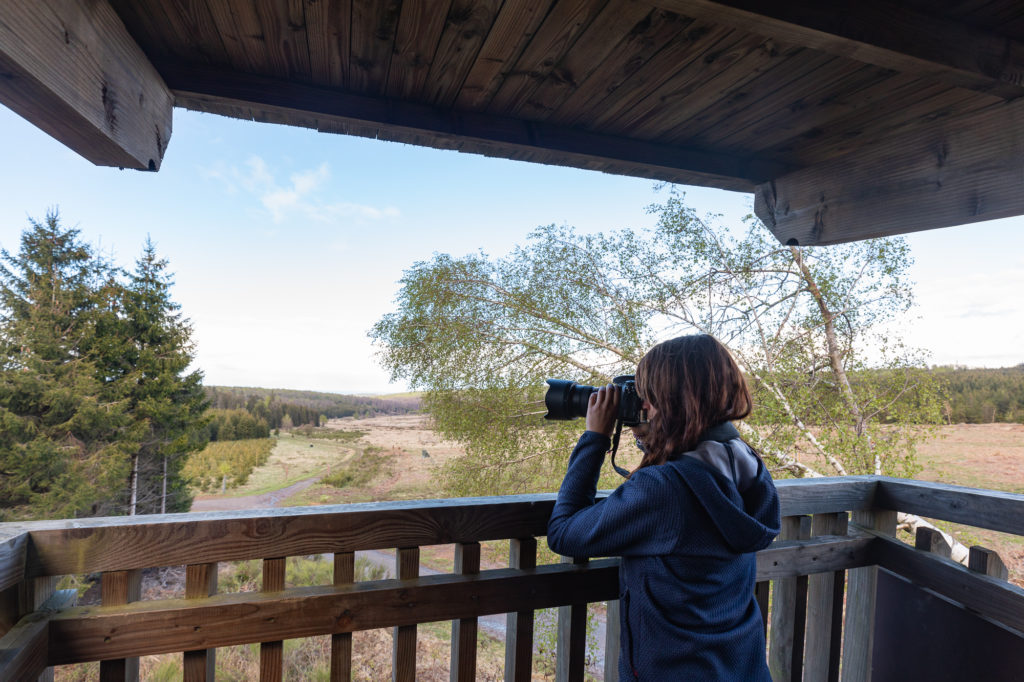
[990,509]
[116,589]
[373,36]
[874,32]
[789,611]
[991,598]
[762,594]
[824,611]
[464,33]
[931,540]
[788,559]
[619,20]
[341,643]
[953,172]
[328,35]
[826,495]
[284,30]
[416,38]
[515,24]
[522,555]
[612,640]
[860,602]
[13,547]
[272,652]
[403,659]
[571,647]
[200,582]
[71,68]
[463,658]
[988,562]
[562,26]
[24,649]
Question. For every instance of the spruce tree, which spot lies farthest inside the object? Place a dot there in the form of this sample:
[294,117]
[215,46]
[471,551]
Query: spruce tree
[62,446]
[148,369]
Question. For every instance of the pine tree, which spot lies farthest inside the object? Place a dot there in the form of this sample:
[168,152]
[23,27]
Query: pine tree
[61,444]
[148,369]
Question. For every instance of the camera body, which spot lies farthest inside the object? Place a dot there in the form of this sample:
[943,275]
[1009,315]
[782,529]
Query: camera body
[568,400]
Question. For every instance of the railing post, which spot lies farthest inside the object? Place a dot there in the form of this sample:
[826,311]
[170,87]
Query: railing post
[931,540]
[116,589]
[522,554]
[403,657]
[32,593]
[858,642]
[789,611]
[825,609]
[571,651]
[341,643]
[988,562]
[200,582]
[612,631]
[463,662]
[272,653]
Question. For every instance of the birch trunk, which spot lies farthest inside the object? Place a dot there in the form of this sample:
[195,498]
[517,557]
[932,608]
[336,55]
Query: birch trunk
[133,484]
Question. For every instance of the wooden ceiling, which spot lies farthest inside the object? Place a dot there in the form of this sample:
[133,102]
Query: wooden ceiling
[847,120]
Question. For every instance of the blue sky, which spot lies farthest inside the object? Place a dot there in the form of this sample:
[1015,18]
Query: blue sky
[287,244]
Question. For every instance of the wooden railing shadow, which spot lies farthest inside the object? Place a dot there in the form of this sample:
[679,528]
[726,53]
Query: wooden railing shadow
[816,583]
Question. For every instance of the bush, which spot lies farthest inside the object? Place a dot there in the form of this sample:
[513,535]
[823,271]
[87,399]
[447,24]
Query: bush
[227,463]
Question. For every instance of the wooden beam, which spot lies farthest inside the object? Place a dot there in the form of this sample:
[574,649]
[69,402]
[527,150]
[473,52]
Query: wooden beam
[826,495]
[13,547]
[882,33]
[71,68]
[953,172]
[235,93]
[991,509]
[24,650]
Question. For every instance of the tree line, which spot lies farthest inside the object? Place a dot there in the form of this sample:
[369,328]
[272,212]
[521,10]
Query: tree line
[305,407]
[98,409]
[982,396]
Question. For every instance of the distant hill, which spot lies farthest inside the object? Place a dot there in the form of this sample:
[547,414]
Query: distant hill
[983,395]
[331,405]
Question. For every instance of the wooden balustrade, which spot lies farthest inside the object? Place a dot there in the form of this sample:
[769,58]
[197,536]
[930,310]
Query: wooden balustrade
[805,576]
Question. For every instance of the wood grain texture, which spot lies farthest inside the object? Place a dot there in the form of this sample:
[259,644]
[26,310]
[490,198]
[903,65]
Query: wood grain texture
[799,496]
[612,641]
[519,624]
[272,652]
[89,633]
[13,546]
[991,509]
[987,561]
[880,33]
[200,582]
[571,648]
[931,540]
[464,34]
[859,619]
[341,643]
[824,610]
[463,656]
[118,588]
[789,611]
[403,659]
[954,171]
[71,68]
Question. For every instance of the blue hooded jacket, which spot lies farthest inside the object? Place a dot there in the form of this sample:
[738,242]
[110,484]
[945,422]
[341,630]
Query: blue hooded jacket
[686,531]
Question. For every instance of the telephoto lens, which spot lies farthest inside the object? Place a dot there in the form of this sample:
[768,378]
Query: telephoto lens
[568,400]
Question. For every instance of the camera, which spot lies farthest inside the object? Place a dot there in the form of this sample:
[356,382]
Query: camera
[568,400]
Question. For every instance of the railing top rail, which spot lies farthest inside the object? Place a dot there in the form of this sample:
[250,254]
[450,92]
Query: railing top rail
[121,543]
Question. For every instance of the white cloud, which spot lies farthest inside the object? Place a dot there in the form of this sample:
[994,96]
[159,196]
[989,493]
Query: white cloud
[300,197]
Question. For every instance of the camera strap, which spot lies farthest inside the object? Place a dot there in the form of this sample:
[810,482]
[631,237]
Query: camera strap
[615,448]
[723,433]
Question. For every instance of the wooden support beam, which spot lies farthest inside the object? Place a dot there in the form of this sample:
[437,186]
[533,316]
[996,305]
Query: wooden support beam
[403,651]
[71,68]
[953,172]
[789,611]
[234,93]
[522,555]
[571,648]
[272,652]
[882,33]
[463,659]
[24,651]
[341,643]
[991,509]
[825,593]
[118,588]
[200,582]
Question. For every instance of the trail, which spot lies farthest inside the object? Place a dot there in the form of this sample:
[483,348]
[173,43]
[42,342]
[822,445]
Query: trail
[261,501]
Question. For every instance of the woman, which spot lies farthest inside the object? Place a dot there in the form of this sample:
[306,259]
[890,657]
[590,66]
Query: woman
[686,523]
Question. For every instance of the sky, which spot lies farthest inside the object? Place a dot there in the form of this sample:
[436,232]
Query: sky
[287,244]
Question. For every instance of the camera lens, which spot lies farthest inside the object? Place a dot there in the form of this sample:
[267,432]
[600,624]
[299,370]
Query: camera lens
[566,399]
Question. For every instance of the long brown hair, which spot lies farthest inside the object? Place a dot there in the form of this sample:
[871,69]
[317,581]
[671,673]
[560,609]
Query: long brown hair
[694,384]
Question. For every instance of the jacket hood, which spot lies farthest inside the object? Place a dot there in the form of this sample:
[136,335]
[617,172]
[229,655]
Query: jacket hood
[733,485]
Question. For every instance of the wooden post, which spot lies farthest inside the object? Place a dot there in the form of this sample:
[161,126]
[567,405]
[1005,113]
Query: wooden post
[463,662]
[116,589]
[571,650]
[789,611]
[859,624]
[200,582]
[762,591]
[32,593]
[341,644]
[612,627]
[988,562]
[825,609]
[522,554]
[272,653]
[931,540]
[403,657]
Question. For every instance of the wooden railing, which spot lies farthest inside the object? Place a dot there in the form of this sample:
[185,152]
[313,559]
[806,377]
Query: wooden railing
[837,533]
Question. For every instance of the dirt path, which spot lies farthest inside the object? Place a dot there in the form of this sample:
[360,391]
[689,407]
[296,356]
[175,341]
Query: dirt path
[271,499]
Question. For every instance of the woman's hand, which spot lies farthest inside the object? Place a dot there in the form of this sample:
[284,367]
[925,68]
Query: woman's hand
[603,409]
